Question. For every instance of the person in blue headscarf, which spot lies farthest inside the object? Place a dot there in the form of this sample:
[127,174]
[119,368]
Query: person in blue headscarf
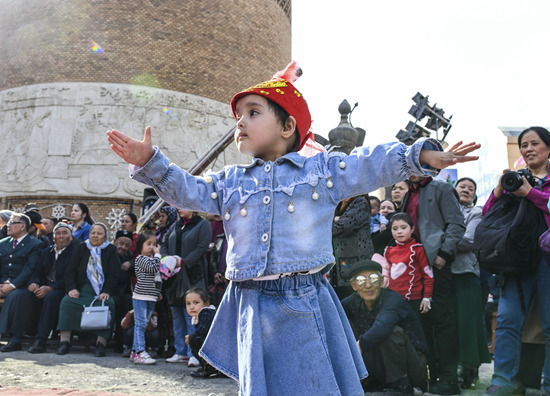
[92,274]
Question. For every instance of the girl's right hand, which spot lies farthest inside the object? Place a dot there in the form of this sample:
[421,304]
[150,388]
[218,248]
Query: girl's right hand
[131,150]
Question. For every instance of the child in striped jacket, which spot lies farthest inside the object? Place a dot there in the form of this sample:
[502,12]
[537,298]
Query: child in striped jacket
[146,293]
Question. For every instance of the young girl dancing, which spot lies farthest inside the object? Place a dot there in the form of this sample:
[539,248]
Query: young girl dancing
[281,325]
[146,293]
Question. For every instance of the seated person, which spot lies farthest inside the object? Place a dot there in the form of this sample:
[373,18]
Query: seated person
[123,293]
[389,333]
[38,303]
[49,224]
[152,334]
[36,225]
[19,253]
[91,274]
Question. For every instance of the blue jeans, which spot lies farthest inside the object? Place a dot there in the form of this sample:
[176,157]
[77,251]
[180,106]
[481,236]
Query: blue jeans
[511,319]
[142,314]
[182,327]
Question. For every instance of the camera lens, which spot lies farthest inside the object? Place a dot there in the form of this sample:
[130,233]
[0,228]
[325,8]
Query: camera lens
[511,181]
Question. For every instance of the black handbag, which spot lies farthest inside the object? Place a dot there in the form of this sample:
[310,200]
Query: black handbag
[176,287]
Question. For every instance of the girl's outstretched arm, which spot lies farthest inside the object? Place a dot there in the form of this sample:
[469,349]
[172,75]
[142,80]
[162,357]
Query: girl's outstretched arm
[457,153]
[131,150]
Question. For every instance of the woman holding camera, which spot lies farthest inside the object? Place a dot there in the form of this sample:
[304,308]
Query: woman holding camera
[534,146]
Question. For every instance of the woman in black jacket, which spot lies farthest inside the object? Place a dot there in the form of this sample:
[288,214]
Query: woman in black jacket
[92,273]
[351,241]
[188,238]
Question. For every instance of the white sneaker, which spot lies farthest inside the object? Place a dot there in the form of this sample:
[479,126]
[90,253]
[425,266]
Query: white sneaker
[144,358]
[177,359]
[193,362]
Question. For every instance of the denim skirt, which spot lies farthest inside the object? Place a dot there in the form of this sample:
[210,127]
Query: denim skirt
[285,337]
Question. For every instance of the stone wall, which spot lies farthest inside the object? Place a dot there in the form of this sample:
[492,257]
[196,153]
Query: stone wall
[54,142]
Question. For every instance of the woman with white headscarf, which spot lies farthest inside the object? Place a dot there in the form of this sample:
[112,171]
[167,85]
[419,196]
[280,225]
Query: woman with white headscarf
[92,273]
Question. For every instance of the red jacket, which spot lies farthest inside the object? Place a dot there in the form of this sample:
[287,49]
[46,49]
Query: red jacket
[410,273]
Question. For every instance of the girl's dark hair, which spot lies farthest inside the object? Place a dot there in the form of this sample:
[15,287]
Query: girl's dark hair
[282,115]
[389,200]
[542,132]
[132,217]
[401,216]
[85,209]
[142,237]
[203,294]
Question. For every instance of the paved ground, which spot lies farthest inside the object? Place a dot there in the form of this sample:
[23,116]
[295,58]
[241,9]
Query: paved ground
[82,374]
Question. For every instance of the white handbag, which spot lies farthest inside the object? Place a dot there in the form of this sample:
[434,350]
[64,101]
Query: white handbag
[96,318]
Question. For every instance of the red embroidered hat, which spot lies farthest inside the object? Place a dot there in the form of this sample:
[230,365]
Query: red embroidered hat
[281,91]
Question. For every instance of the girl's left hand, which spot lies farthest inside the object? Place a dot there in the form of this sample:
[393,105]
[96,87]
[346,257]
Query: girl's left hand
[156,249]
[425,305]
[456,154]
[103,296]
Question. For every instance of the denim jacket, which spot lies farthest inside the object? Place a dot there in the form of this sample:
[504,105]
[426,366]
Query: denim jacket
[278,214]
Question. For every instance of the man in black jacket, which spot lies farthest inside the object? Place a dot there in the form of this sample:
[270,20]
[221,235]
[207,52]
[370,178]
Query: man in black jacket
[39,302]
[19,254]
[123,296]
[389,333]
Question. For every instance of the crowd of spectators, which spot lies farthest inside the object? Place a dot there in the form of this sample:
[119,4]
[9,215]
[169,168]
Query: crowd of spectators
[405,270]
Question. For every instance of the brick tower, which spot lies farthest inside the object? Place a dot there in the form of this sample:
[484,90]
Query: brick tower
[73,69]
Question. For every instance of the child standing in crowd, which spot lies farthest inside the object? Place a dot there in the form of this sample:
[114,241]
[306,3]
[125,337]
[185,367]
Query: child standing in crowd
[410,272]
[282,327]
[202,313]
[146,293]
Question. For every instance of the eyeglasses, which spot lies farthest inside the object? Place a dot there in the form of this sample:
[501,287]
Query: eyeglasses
[14,222]
[362,280]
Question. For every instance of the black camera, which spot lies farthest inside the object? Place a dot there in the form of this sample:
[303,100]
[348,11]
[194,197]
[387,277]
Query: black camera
[512,180]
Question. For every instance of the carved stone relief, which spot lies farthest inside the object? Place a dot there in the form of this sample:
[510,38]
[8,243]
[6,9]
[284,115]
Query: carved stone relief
[53,135]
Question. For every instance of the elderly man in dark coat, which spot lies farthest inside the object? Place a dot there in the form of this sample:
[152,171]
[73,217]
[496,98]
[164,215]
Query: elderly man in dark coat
[39,302]
[19,253]
[389,333]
